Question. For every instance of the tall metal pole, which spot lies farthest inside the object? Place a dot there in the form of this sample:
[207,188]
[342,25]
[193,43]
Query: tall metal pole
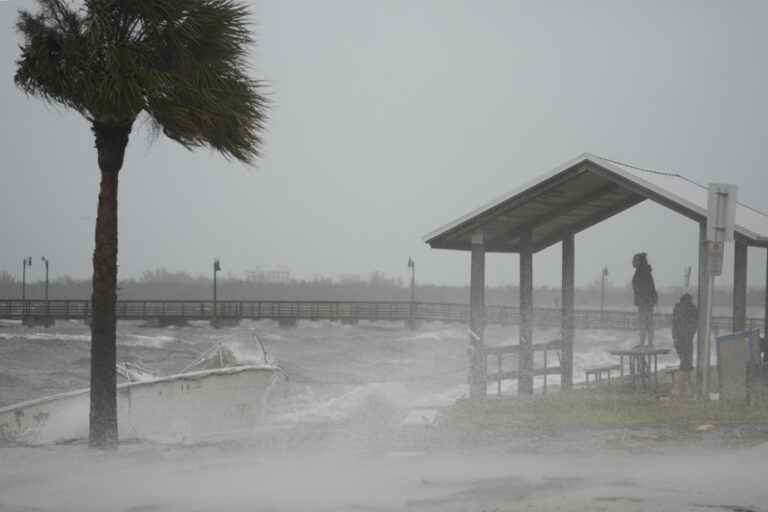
[45,262]
[26,262]
[413,280]
[216,268]
[602,293]
[47,308]
[707,356]
[412,308]
[721,213]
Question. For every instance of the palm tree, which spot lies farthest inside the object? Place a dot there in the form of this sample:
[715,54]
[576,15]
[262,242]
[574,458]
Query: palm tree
[181,63]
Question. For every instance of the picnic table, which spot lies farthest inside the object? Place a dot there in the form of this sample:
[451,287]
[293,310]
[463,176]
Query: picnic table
[643,363]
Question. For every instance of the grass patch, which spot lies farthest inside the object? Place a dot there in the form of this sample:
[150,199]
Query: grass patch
[589,409]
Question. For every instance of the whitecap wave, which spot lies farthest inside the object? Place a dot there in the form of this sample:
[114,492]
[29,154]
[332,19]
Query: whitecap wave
[147,341]
[341,407]
[44,336]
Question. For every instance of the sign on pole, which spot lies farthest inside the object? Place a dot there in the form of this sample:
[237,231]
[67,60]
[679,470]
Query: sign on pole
[721,217]
[721,212]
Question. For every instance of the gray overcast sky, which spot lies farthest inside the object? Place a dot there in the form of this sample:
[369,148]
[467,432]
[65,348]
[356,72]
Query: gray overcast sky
[390,119]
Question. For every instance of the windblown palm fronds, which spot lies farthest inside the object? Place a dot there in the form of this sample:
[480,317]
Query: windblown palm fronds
[183,62]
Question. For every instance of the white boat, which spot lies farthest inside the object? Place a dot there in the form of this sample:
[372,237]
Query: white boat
[189,406]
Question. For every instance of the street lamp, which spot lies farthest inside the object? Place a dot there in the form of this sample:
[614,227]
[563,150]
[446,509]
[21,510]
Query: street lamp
[412,266]
[602,293]
[412,311]
[46,262]
[216,268]
[26,262]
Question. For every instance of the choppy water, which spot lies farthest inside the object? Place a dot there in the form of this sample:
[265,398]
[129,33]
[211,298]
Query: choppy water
[332,370]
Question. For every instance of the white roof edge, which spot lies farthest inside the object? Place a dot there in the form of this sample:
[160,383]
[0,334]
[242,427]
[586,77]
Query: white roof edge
[646,184]
[669,195]
[509,195]
[605,163]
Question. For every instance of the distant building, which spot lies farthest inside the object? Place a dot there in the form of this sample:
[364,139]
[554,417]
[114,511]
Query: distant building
[279,274]
[349,278]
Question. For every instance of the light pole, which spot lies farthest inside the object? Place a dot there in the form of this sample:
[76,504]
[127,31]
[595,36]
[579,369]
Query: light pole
[412,310]
[216,268]
[602,293]
[26,262]
[46,262]
[412,266]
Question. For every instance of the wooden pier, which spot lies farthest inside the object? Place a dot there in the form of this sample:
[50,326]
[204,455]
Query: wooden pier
[168,312]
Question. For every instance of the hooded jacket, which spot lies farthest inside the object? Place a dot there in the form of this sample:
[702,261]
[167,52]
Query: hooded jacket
[685,319]
[644,287]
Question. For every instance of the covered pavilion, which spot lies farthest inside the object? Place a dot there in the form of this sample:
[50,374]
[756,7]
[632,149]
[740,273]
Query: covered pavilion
[552,209]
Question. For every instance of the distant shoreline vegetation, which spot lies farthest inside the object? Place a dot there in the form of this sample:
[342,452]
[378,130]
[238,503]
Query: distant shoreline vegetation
[162,284]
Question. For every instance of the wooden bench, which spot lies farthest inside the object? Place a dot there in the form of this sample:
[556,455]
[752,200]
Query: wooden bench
[598,371]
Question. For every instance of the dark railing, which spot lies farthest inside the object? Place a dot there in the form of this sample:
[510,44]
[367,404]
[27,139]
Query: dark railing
[176,310]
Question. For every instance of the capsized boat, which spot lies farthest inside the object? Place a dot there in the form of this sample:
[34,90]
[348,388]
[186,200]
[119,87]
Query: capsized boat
[214,397]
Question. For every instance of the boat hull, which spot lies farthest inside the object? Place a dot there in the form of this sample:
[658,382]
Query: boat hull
[180,408]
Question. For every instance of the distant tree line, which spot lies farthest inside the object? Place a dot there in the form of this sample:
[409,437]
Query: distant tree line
[162,284]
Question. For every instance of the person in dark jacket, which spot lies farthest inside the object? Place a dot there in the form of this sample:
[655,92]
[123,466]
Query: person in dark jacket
[645,296]
[685,323]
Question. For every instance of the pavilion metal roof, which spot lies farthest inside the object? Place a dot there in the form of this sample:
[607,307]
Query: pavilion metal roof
[579,194]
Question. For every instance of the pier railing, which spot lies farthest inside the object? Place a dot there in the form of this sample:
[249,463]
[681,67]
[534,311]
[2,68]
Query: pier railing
[351,311]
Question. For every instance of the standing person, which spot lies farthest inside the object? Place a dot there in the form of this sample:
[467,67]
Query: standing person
[685,323]
[645,296]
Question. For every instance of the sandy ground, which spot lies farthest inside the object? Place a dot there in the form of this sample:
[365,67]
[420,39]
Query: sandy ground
[241,476]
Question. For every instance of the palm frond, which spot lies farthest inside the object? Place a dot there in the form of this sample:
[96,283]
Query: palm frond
[181,61]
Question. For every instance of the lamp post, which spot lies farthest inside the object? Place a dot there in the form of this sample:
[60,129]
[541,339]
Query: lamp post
[602,294]
[412,311]
[46,262]
[216,268]
[26,262]
[412,266]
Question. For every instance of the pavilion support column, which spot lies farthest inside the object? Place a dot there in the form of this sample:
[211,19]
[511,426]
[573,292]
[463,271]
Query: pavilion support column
[740,286]
[702,359]
[765,311]
[765,300]
[567,324]
[477,359]
[525,360]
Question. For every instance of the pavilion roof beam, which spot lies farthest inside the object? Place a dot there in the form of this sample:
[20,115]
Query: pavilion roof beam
[472,225]
[600,216]
[563,210]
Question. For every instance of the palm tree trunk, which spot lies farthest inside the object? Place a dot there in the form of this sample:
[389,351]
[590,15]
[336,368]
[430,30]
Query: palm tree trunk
[110,143]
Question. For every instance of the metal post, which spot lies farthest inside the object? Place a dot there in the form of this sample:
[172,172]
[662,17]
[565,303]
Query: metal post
[216,268]
[26,262]
[477,359]
[525,360]
[703,296]
[567,324]
[412,306]
[740,286]
[604,274]
[765,303]
[707,355]
[47,306]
